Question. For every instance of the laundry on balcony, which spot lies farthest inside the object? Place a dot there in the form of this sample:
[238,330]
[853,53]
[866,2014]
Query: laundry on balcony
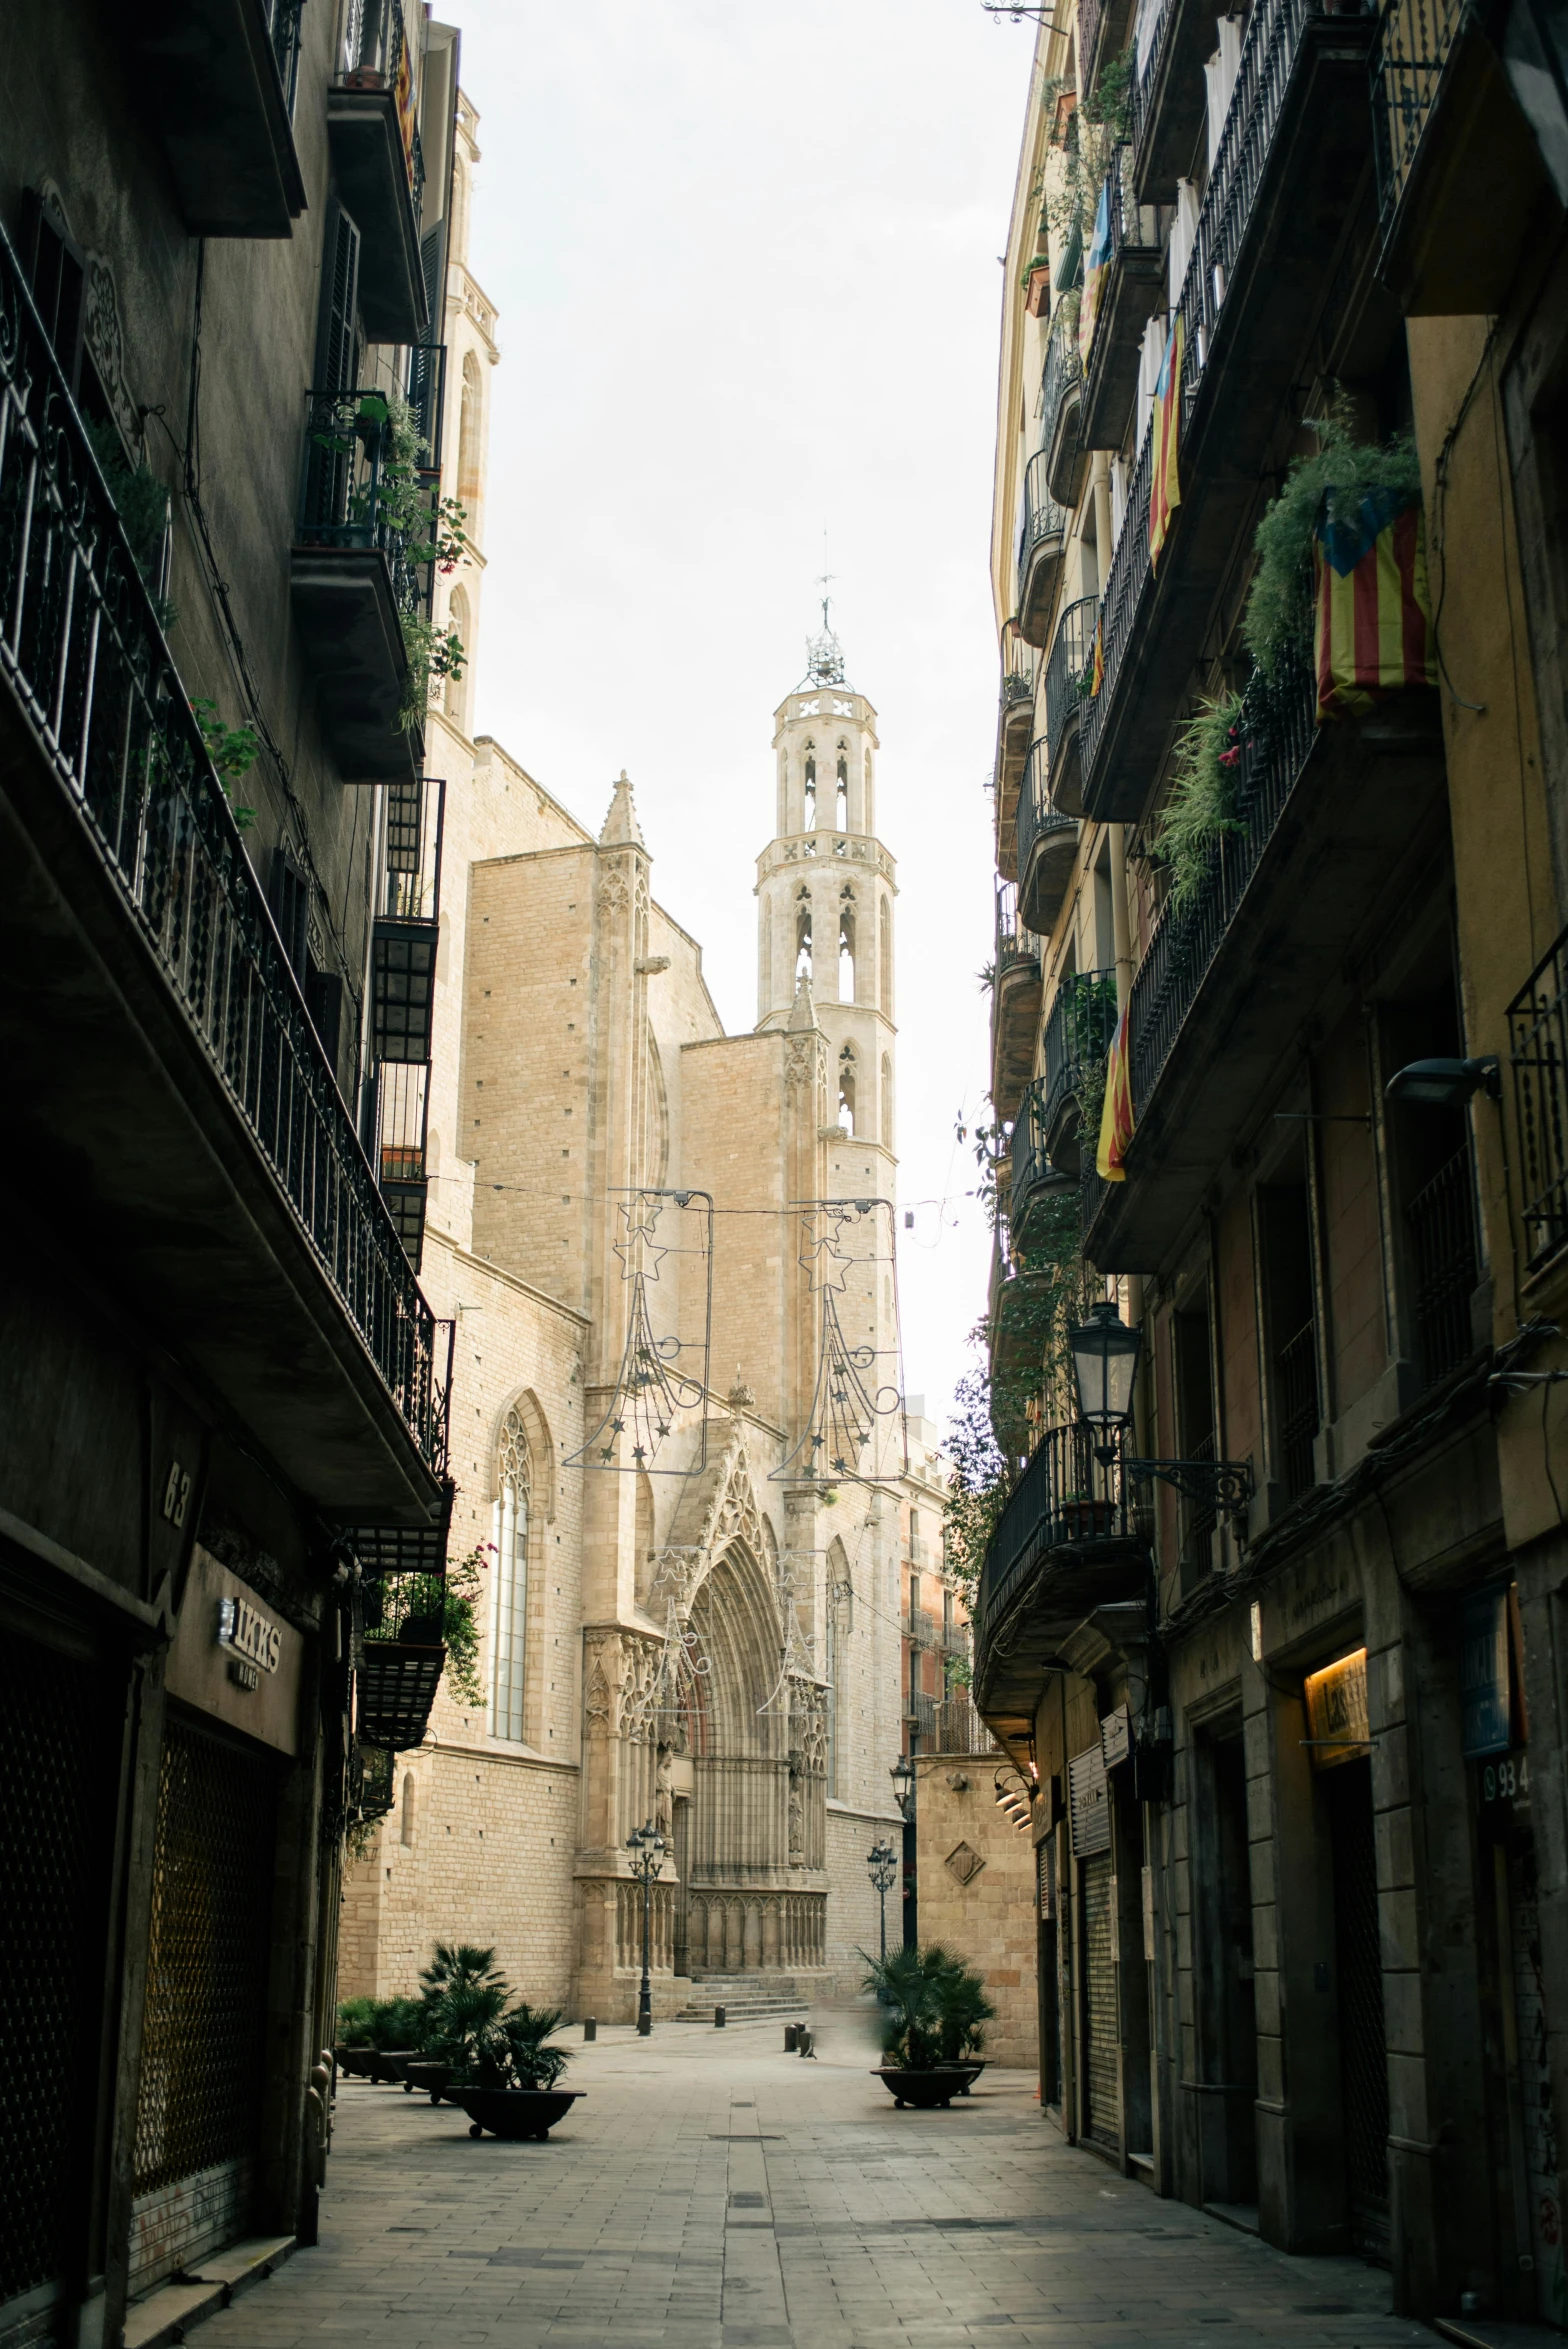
[1373,627]
[1165,429]
[1116,1118]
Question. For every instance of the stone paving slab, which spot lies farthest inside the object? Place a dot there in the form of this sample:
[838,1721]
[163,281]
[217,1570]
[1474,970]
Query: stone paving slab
[710,2192]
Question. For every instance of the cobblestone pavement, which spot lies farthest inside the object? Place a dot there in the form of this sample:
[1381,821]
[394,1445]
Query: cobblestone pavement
[711,2192]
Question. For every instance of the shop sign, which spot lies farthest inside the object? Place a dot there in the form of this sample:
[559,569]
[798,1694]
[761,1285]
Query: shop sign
[1337,1726]
[1116,1738]
[1483,1672]
[255,1644]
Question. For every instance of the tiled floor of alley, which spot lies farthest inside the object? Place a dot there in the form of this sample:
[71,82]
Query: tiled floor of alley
[712,2192]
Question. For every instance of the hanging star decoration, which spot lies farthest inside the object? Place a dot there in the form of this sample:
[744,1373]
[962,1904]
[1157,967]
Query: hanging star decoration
[844,1408]
[649,1395]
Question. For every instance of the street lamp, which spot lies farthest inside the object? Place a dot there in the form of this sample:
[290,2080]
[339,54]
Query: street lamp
[1105,1362]
[882,1860]
[646,1845]
[903,1777]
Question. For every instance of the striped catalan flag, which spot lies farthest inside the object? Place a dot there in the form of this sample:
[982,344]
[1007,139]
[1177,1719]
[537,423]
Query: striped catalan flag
[1097,671]
[1095,263]
[1373,627]
[1164,476]
[1116,1120]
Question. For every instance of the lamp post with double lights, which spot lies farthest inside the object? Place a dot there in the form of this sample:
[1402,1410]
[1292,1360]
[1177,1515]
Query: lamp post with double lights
[882,1860]
[646,1846]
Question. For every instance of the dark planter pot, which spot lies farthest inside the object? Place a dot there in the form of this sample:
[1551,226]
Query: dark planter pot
[925,2088]
[430,2079]
[389,2064]
[354,2062]
[516,2112]
[974,2071]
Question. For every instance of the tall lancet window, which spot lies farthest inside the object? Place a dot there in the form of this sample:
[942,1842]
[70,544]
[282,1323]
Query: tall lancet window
[885,945]
[841,815]
[846,1089]
[846,948]
[803,936]
[811,788]
[509,1627]
[887,1100]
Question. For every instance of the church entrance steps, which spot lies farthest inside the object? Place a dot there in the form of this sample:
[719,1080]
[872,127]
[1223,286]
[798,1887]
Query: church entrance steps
[746,1998]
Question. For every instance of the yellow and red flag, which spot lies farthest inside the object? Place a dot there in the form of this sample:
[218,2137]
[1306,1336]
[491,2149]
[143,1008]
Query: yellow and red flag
[1164,477]
[1097,672]
[1373,625]
[1116,1120]
[1095,264]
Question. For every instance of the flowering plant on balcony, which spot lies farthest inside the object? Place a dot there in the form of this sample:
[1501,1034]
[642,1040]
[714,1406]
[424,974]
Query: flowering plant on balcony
[1198,808]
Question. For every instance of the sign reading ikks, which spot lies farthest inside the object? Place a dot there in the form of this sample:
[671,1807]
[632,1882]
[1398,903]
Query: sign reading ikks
[256,1643]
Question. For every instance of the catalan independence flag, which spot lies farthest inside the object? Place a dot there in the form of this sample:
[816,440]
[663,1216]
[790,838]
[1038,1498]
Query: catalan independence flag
[1116,1117]
[1095,263]
[1097,670]
[1164,477]
[1373,627]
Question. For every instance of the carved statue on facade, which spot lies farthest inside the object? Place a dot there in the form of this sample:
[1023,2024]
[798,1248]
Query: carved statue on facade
[664,1796]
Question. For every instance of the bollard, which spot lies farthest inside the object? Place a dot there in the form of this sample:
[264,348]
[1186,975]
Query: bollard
[591,2027]
[791,2030]
[803,2042]
[718,2018]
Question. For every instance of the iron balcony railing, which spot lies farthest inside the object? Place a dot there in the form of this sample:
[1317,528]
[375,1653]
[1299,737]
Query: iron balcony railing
[1278,728]
[1538,1054]
[83,652]
[377,55]
[921,1712]
[1038,819]
[1015,943]
[1415,41]
[1296,1409]
[406,931]
[1268,56]
[358,493]
[1063,372]
[1069,671]
[1078,1035]
[1065,1498]
[960,1730]
[1197,1520]
[1146,78]
[1043,517]
[1031,1164]
[920,1626]
[283,27]
[1440,1226]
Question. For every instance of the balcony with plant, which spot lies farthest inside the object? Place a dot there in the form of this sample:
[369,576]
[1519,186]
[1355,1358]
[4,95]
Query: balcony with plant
[1042,541]
[1167,100]
[1061,406]
[1014,732]
[1069,682]
[1275,261]
[378,163]
[1124,272]
[1258,918]
[1014,981]
[372,532]
[217,80]
[184,1084]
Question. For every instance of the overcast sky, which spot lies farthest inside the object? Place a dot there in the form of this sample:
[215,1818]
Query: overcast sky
[745,264]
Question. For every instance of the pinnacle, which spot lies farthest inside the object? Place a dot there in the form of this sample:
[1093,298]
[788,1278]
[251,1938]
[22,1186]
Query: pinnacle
[804,1014]
[621,828]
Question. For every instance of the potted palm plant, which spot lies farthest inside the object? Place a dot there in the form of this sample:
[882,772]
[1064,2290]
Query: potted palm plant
[454,1971]
[934,2013]
[511,2088]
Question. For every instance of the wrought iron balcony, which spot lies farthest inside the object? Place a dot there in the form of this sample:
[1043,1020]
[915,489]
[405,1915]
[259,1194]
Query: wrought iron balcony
[1263,272]
[1035,1177]
[1129,294]
[407,928]
[1069,1543]
[1103,27]
[1443,115]
[1069,673]
[402,1113]
[1040,544]
[172,1064]
[1047,846]
[1078,1035]
[919,1626]
[1538,1056]
[1167,98]
[1014,731]
[1441,1246]
[373,127]
[363,518]
[217,80]
[1229,977]
[1015,1002]
[1061,407]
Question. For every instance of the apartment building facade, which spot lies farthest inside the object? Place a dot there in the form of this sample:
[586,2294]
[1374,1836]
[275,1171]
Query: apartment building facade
[1276,798]
[224,1419]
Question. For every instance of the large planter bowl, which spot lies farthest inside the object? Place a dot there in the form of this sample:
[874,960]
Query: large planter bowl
[390,2064]
[924,2088]
[355,2062]
[429,2079]
[516,2112]
[973,2070]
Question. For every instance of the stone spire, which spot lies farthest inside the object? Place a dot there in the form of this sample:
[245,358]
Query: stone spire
[621,828]
[804,1014]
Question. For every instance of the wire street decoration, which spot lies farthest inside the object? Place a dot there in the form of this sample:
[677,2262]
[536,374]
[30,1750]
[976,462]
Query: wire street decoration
[845,1404]
[652,1389]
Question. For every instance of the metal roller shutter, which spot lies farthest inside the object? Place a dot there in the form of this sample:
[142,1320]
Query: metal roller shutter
[1102,2070]
[198,2118]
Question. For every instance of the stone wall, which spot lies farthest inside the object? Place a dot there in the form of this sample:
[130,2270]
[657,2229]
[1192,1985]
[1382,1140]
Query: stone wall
[852,1899]
[985,1912]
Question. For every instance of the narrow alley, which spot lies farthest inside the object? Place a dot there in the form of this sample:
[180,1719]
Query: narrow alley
[713,2192]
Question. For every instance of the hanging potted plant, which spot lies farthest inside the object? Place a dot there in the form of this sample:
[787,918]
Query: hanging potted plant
[934,2016]
[1037,286]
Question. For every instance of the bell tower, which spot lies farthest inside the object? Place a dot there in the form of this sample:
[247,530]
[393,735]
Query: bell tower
[825,893]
